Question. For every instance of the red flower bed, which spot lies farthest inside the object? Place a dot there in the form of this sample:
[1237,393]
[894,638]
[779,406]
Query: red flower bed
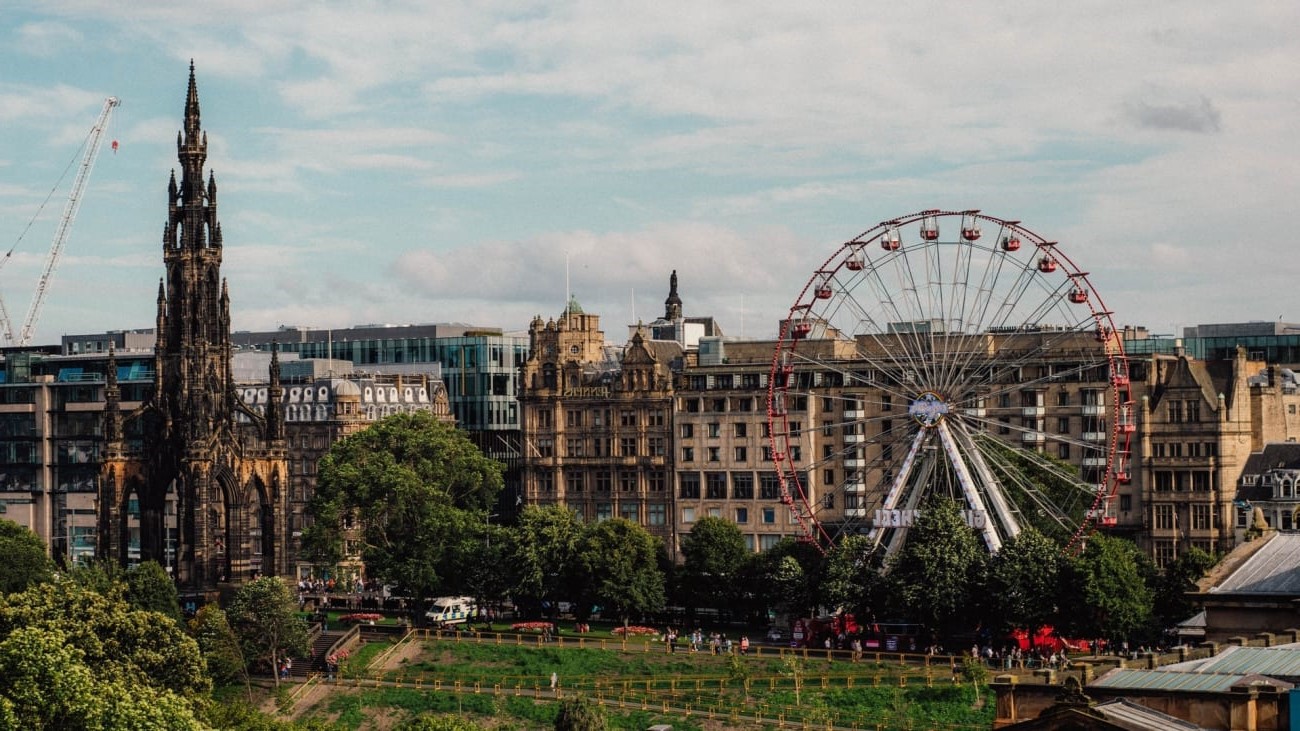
[532,626]
[635,630]
[360,617]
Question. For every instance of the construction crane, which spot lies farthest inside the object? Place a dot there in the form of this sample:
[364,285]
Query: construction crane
[93,142]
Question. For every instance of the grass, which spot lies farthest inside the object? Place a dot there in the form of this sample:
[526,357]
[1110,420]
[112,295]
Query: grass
[636,685]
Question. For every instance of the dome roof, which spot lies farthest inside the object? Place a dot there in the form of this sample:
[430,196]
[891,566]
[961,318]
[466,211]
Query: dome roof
[343,387]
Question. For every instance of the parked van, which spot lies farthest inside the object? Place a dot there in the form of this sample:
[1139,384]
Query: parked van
[449,610]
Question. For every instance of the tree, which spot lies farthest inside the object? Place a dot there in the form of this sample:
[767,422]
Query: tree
[786,576]
[619,562]
[1113,599]
[713,555]
[578,713]
[149,587]
[976,672]
[71,657]
[1024,583]
[25,560]
[851,576]
[416,487]
[542,555]
[935,575]
[219,645]
[264,616]
[1172,605]
[438,723]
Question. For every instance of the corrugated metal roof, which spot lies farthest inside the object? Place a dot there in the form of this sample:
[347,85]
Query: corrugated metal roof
[1282,661]
[1126,679]
[1274,569]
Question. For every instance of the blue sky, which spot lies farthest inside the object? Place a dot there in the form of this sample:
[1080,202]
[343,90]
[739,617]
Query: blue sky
[432,162]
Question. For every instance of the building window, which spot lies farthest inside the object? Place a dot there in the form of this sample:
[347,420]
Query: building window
[627,481]
[656,514]
[574,417]
[1200,517]
[1175,412]
[718,404]
[715,454]
[742,429]
[604,511]
[691,405]
[657,417]
[769,486]
[544,420]
[742,454]
[1164,553]
[716,486]
[828,501]
[688,431]
[574,482]
[627,446]
[1125,503]
[1062,398]
[768,542]
[1063,425]
[688,515]
[796,428]
[744,403]
[545,447]
[545,482]
[573,447]
[1164,517]
[715,430]
[688,454]
[828,477]
[656,481]
[742,485]
[887,402]
[715,512]
[1193,411]
[742,515]
[690,485]
[627,418]
[656,446]
[767,453]
[769,516]
[1164,481]
[1063,450]
[603,481]
[628,511]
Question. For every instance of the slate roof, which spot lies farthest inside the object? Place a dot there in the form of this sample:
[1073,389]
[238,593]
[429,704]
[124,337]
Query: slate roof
[1276,455]
[1273,570]
[1126,679]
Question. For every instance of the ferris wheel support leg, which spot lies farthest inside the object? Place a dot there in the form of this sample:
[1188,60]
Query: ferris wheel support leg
[895,490]
[973,499]
[1002,510]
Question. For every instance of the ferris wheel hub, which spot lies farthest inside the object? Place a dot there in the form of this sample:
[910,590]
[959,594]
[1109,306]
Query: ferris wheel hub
[928,409]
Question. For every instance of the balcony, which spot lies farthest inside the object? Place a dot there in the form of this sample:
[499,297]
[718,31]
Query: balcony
[1033,437]
[854,463]
[1094,461]
[855,414]
[1094,409]
[855,512]
[855,487]
[854,438]
[975,413]
[1033,411]
[1094,436]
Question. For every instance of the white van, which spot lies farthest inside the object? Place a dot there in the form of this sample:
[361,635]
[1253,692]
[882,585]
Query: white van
[448,610]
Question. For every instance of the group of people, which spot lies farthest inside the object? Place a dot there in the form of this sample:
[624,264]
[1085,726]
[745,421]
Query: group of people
[286,666]
[716,643]
[1013,657]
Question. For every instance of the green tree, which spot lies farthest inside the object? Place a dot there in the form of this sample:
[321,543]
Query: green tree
[1112,597]
[578,713]
[149,587]
[851,577]
[417,488]
[976,672]
[439,723]
[936,574]
[25,560]
[120,643]
[787,577]
[1024,583]
[71,657]
[619,561]
[219,645]
[263,615]
[542,555]
[713,554]
[1172,603]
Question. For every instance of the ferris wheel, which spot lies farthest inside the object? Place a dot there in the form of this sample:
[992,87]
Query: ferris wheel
[949,353]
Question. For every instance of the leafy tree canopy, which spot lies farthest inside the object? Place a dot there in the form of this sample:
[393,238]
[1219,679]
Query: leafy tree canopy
[25,561]
[1109,581]
[851,577]
[936,573]
[542,554]
[263,615]
[620,562]
[578,713]
[1024,586]
[151,588]
[408,480]
[714,554]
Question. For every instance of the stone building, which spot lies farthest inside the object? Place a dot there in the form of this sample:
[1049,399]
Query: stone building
[597,423]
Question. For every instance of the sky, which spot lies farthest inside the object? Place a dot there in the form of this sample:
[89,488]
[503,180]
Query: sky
[418,162]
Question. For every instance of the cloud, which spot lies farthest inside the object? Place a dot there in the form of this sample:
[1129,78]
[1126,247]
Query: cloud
[45,39]
[1199,115]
